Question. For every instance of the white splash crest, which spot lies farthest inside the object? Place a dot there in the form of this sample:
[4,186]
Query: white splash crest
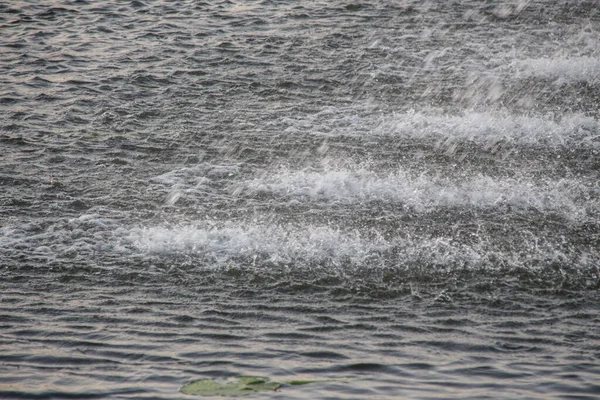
[423,192]
[307,245]
[279,244]
[486,127]
[579,69]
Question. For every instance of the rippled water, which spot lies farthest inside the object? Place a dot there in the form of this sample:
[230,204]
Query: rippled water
[402,195]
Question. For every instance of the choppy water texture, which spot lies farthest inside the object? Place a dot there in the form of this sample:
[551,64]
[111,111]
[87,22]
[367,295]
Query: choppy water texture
[399,199]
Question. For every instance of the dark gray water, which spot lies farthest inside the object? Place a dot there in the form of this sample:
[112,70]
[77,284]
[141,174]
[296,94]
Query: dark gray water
[400,196]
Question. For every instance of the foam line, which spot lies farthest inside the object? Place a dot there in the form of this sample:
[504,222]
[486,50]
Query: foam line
[423,192]
[278,244]
[307,245]
[493,127]
[579,69]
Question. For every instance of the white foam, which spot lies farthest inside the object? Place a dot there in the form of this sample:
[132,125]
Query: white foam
[308,245]
[581,69]
[492,127]
[423,192]
[278,244]
[484,128]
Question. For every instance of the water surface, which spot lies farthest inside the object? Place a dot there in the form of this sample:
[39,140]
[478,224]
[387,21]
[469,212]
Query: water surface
[399,196]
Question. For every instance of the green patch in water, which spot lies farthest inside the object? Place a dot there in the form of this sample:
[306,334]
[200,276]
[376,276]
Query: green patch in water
[241,386]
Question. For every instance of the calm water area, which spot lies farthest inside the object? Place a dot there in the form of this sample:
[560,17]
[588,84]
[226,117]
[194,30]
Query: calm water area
[398,199]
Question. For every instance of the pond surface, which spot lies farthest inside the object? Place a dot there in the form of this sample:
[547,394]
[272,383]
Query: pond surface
[396,199]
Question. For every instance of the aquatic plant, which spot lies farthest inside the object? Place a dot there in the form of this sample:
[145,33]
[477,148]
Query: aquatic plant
[239,386]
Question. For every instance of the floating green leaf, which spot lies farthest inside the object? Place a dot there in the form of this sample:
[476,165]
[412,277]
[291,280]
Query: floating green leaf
[304,382]
[243,385]
[240,386]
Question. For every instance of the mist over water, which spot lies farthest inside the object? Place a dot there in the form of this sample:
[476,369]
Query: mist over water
[400,197]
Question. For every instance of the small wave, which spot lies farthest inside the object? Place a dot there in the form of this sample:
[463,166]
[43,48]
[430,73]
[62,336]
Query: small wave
[348,252]
[493,127]
[578,69]
[423,192]
[273,244]
[483,128]
[74,238]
